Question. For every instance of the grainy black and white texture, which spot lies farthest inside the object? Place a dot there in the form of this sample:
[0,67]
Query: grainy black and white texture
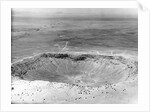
[75,56]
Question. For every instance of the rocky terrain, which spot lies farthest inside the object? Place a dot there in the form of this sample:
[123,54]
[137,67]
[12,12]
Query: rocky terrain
[80,55]
[74,78]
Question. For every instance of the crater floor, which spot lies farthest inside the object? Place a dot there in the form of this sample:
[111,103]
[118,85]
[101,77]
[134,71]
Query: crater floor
[74,78]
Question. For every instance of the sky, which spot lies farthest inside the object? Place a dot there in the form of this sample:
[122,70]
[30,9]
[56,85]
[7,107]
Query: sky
[76,12]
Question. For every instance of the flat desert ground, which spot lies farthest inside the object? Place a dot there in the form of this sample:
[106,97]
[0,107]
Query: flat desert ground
[74,60]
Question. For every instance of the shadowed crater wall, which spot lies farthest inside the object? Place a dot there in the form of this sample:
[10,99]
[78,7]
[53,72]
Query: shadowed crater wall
[83,69]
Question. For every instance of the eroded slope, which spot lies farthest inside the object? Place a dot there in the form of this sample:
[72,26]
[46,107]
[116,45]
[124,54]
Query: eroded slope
[74,79]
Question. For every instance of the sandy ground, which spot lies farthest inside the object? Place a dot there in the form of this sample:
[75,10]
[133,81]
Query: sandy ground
[51,92]
[32,37]
[40,88]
